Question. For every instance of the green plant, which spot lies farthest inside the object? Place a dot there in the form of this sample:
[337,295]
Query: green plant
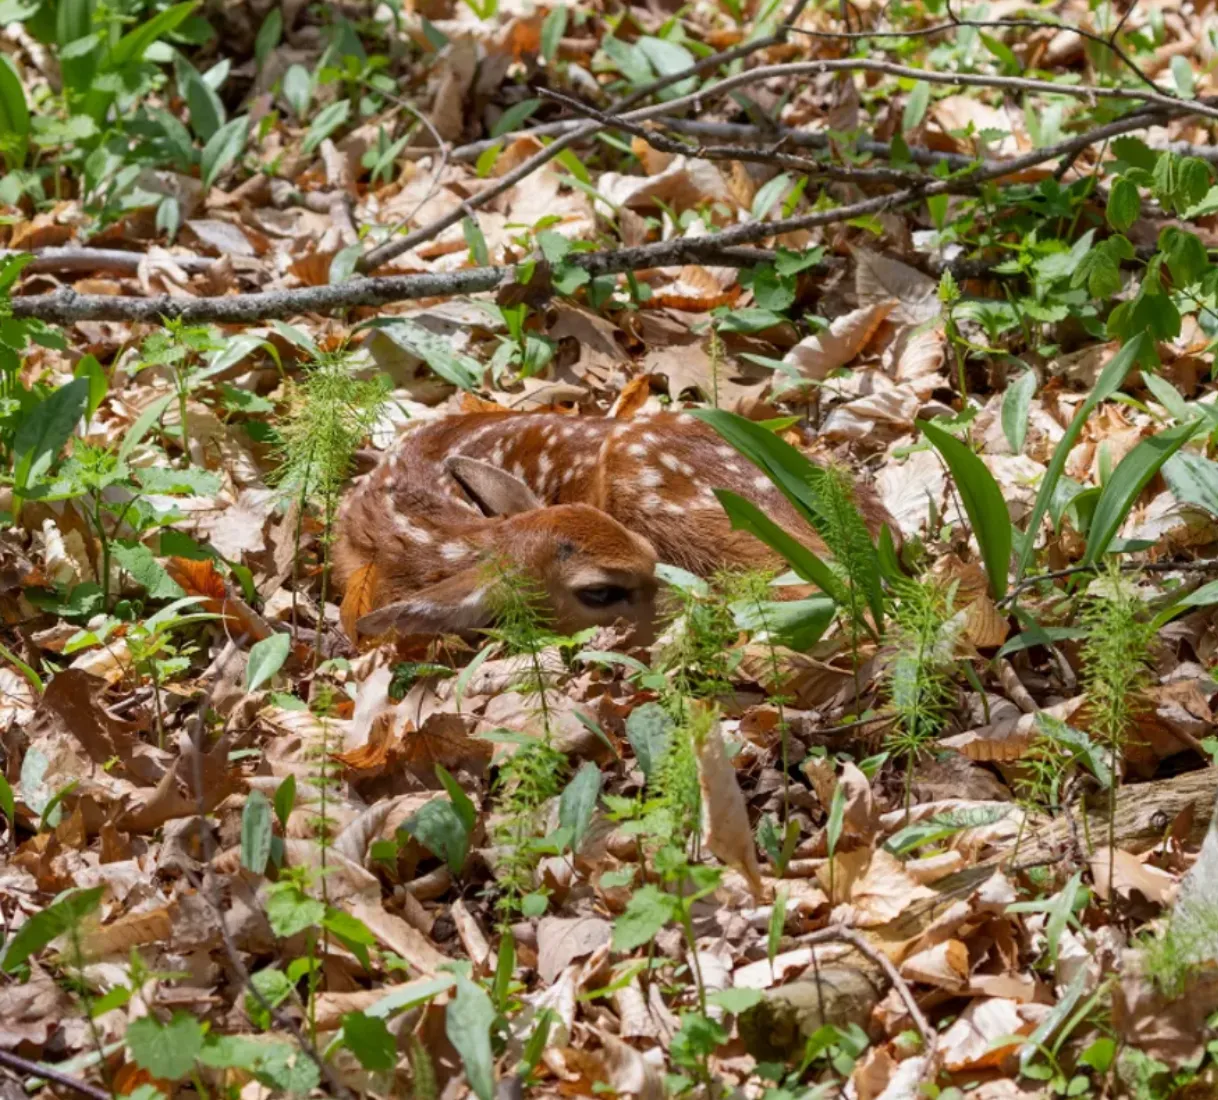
[923,639]
[330,413]
[1116,669]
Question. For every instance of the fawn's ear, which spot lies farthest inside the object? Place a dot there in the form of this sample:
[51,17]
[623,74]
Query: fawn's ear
[495,491]
[453,605]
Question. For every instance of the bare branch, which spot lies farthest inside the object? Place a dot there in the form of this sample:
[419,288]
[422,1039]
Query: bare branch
[65,306]
[36,1069]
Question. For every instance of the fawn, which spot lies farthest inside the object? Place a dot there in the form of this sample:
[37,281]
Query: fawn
[583,505]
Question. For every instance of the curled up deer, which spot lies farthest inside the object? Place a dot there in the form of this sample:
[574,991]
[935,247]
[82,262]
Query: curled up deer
[583,506]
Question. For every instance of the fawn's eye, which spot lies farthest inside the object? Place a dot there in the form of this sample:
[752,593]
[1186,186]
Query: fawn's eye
[602,595]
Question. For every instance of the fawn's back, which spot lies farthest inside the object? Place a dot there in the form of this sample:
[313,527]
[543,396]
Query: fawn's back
[584,505]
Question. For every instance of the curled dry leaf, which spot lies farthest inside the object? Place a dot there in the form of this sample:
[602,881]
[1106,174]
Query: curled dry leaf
[817,356]
[730,836]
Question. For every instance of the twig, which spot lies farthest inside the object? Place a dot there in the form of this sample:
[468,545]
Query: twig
[65,306]
[391,249]
[837,933]
[85,260]
[37,1069]
[1206,565]
[773,155]
[1108,42]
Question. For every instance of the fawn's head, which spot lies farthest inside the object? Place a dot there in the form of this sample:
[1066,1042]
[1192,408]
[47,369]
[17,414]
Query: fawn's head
[587,568]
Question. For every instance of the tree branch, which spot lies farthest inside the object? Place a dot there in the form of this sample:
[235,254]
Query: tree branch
[65,306]
[49,1073]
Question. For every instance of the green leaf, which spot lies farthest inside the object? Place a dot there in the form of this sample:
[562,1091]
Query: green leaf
[467,1023]
[915,107]
[43,431]
[437,352]
[351,932]
[167,481]
[132,45]
[649,730]
[269,36]
[1185,255]
[1167,395]
[735,1001]
[207,113]
[8,806]
[1015,405]
[1124,204]
[983,501]
[222,149]
[466,810]
[256,832]
[142,426]
[14,116]
[515,116]
[1108,383]
[290,910]
[327,121]
[441,830]
[64,913]
[1128,480]
[298,90]
[578,802]
[285,799]
[266,658]
[370,1041]
[746,516]
[552,30]
[145,570]
[648,910]
[167,1051]
[837,818]
[768,194]
[1055,1017]
[796,624]
[99,384]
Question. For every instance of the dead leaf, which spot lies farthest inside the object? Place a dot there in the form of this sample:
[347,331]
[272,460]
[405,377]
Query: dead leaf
[731,837]
[817,356]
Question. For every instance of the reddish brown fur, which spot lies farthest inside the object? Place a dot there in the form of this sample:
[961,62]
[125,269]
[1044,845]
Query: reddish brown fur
[604,482]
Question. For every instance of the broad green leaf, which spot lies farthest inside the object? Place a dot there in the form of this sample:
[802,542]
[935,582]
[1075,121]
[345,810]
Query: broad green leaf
[64,913]
[1167,395]
[167,1051]
[14,116]
[256,832]
[837,818]
[369,1040]
[269,36]
[132,45]
[441,830]
[142,426]
[768,194]
[648,910]
[649,729]
[983,501]
[1128,480]
[466,810]
[207,113]
[351,932]
[145,570]
[746,516]
[460,370]
[409,995]
[735,1001]
[1108,383]
[99,384]
[45,429]
[915,107]
[1015,405]
[796,624]
[168,481]
[1124,204]
[327,121]
[285,799]
[515,116]
[1055,1017]
[552,30]
[298,89]
[266,659]
[1193,479]
[578,802]
[289,910]
[73,22]
[1059,914]
[1205,596]
[222,149]
[467,1023]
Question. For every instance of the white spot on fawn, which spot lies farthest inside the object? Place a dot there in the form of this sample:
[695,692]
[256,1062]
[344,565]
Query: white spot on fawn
[636,449]
[651,478]
[762,483]
[454,551]
[411,531]
[725,452]
[653,500]
[671,461]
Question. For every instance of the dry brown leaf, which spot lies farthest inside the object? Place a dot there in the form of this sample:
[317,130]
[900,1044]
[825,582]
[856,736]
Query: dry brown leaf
[945,966]
[817,356]
[561,941]
[400,938]
[731,838]
[881,280]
